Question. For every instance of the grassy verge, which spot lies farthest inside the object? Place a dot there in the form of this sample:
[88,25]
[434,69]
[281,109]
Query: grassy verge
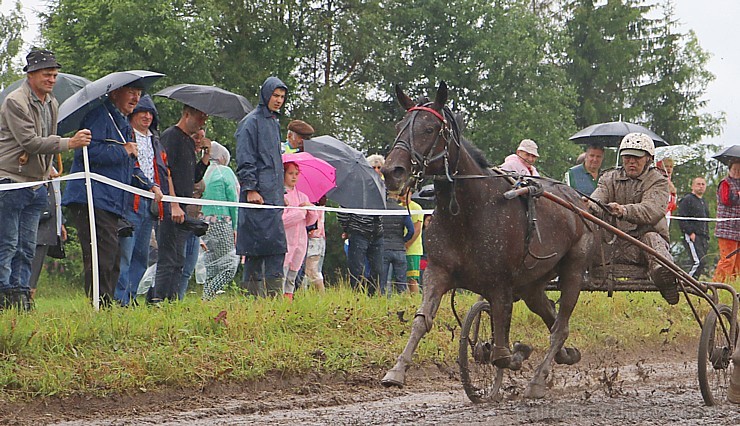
[64,347]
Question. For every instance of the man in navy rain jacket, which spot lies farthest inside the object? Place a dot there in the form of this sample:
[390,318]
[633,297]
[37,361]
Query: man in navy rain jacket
[261,235]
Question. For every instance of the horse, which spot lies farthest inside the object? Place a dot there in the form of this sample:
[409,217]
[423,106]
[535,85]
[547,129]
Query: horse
[482,242]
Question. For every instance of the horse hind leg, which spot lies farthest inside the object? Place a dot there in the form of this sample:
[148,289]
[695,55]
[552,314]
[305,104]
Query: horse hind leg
[540,304]
[559,331]
[421,324]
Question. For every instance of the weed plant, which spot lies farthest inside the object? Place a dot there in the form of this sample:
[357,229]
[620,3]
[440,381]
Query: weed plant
[65,347]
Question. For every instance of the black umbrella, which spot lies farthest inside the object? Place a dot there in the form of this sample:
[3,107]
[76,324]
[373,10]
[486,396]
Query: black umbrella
[728,154]
[611,134]
[66,86]
[74,109]
[358,185]
[209,99]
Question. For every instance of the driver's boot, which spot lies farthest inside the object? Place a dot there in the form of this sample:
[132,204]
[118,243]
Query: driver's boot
[664,279]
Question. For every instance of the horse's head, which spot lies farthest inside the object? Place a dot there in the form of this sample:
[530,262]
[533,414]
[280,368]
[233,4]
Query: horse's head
[422,141]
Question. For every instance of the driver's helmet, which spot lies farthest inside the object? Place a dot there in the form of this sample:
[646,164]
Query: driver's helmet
[637,144]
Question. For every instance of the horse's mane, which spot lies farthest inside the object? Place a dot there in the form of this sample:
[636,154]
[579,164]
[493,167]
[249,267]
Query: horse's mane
[476,153]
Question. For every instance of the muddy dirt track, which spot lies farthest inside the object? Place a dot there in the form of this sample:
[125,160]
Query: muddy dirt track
[656,387]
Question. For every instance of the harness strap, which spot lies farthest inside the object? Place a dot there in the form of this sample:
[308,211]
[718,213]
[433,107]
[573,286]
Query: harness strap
[429,110]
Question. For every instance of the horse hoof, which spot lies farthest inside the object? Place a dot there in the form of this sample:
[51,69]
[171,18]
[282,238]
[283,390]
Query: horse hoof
[393,378]
[568,356]
[535,391]
[522,350]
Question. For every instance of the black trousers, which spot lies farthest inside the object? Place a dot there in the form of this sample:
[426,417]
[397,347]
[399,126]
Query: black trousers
[697,251]
[109,253]
[171,244]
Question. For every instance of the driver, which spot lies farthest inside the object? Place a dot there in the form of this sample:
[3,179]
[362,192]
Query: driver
[636,194]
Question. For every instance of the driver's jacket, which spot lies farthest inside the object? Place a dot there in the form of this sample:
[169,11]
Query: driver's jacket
[644,197]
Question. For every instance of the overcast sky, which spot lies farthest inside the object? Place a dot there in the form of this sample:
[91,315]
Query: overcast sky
[712,20]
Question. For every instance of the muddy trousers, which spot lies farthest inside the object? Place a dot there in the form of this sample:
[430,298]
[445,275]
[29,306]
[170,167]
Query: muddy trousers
[263,275]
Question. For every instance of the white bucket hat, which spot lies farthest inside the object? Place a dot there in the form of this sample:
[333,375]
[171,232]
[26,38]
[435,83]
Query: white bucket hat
[528,146]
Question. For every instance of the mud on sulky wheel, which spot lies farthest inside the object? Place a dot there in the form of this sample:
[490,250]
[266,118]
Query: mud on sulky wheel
[715,352]
[480,378]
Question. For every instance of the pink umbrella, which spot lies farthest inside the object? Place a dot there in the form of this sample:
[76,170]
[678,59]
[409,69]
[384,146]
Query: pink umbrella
[317,176]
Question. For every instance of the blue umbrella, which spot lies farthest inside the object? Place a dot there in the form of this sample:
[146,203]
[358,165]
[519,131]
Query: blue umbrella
[66,86]
[358,185]
[74,109]
[209,99]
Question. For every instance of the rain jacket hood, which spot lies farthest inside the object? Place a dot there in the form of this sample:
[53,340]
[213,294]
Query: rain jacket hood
[146,103]
[268,87]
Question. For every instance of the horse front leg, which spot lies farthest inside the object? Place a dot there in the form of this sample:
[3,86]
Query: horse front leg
[569,292]
[434,289]
[733,392]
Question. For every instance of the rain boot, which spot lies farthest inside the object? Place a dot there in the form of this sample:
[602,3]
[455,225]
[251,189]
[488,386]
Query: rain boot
[274,286]
[254,288]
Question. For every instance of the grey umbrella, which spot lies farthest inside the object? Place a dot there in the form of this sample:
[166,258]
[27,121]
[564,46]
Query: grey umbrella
[74,109]
[66,86]
[210,99]
[358,185]
[611,134]
[728,154]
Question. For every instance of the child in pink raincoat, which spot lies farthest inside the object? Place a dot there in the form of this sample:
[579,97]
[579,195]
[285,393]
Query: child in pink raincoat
[295,222]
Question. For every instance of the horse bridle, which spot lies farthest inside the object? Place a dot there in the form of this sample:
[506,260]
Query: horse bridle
[419,161]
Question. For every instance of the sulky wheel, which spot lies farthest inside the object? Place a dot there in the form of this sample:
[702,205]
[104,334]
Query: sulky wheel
[480,378]
[715,352]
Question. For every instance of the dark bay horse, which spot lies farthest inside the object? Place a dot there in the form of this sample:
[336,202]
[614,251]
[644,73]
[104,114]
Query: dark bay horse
[482,242]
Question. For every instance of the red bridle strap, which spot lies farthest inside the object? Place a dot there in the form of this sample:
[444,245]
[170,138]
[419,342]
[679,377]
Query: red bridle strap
[429,110]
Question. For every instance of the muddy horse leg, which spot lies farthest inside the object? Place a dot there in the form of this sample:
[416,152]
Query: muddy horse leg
[733,393]
[422,323]
[540,304]
[571,283]
[501,308]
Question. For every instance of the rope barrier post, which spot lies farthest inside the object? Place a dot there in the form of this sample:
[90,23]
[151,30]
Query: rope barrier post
[93,233]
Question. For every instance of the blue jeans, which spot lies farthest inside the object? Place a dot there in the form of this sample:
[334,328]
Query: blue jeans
[394,260]
[360,248]
[192,249]
[134,252]
[20,210]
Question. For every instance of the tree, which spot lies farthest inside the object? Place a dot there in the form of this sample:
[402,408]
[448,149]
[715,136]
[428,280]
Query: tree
[11,42]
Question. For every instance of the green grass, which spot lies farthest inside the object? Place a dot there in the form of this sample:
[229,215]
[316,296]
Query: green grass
[65,347]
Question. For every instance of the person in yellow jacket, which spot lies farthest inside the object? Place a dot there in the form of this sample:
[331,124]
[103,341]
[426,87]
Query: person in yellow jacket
[414,247]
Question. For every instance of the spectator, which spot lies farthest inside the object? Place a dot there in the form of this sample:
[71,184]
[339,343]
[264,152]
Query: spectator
[220,239]
[584,177]
[728,230]
[316,250]
[260,233]
[152,161]
[112,153]
[185,170]
[365,235]
[193,244]
[298,131]
[295,222]
[376,161]
[636,195]
[666,167]
[695,233]
[414,247]
[397,230]
[28,140]
[522,161]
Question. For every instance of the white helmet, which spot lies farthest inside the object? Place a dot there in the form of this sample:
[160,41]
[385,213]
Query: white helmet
[637,144]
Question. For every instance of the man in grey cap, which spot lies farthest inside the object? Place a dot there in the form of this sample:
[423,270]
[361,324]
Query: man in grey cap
[522,162]
[28,142]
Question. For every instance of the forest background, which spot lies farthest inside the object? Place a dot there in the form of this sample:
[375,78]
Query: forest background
[516,68]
